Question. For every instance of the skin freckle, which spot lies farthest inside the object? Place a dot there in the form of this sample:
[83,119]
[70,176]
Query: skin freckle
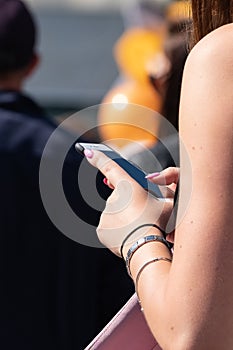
[193,148]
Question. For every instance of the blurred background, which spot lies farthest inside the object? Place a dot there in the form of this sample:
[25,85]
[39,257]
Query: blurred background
[76,41]
[107,51]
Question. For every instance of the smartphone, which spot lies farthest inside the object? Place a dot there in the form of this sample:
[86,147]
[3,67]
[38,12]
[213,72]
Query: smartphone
[161,193]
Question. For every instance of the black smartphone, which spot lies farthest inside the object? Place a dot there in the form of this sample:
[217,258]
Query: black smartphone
[162,193]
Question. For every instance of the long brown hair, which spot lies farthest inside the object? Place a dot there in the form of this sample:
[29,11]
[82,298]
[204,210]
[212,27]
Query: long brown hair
[209,15]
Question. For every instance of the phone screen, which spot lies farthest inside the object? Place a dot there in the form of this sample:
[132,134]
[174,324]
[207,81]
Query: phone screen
[135,172]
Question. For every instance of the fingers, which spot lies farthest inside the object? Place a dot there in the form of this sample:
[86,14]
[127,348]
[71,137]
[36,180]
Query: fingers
[165,177]
[110,169]
[107,183]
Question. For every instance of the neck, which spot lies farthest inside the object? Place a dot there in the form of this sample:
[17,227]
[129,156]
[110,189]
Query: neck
[5,85]
[12,81]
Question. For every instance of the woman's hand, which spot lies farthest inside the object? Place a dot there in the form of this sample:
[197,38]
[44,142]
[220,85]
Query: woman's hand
[128,207]
[169,177]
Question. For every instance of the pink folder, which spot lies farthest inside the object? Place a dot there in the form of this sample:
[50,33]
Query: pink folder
[128,330]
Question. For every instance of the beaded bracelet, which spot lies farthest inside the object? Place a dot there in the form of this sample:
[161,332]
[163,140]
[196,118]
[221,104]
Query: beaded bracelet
[151,261]
[137,228]
[140,243]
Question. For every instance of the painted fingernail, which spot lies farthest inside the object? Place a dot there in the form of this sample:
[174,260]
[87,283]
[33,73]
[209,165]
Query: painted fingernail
[151,176]
[105,181]
[88,153]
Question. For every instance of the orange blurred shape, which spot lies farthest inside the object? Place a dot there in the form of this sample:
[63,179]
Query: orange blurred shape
[128,113]
[134,49]
[179,10]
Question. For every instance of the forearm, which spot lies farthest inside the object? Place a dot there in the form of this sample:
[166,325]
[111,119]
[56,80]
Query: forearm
[182,303]
[152,286]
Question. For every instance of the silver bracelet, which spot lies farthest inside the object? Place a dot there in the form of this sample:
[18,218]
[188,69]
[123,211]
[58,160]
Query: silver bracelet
[140,243]
[137,228]
[151,261]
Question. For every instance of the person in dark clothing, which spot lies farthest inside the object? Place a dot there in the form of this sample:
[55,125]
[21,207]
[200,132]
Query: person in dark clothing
[55,293]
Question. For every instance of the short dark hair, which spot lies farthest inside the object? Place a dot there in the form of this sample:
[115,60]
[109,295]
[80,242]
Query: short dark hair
[17,35]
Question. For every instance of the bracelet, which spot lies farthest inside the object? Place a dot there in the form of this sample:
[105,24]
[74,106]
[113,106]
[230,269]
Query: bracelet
[141,270]
[140,243]
[137,228]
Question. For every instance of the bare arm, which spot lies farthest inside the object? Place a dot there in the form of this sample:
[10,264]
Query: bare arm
[191,303]
[188,304]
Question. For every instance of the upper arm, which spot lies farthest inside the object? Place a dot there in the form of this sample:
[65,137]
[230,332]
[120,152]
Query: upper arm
[203,253]
[206,123]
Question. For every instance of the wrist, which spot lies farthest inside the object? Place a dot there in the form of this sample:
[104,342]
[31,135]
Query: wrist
[142,241]
[147,252]
[151,230]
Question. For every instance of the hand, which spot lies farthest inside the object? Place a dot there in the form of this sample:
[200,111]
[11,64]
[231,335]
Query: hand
[169,177]
[128,207]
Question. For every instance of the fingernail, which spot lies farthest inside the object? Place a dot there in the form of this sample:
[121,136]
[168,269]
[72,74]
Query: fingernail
[88,153]
[151,176]
[105,181]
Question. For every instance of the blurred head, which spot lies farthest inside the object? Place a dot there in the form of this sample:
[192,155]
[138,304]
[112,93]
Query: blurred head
[176,51]
[167,78]
[209,15]
[17,38]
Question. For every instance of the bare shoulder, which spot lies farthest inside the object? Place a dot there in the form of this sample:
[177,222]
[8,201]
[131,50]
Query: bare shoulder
[214,51]
[208,73]
[207,90]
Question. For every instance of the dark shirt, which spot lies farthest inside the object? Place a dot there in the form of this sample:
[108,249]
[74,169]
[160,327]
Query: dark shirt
[54,293]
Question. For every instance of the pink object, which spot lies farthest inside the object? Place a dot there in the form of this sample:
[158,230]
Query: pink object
[128,330]
[105,181]
[88,153]
[151,176]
